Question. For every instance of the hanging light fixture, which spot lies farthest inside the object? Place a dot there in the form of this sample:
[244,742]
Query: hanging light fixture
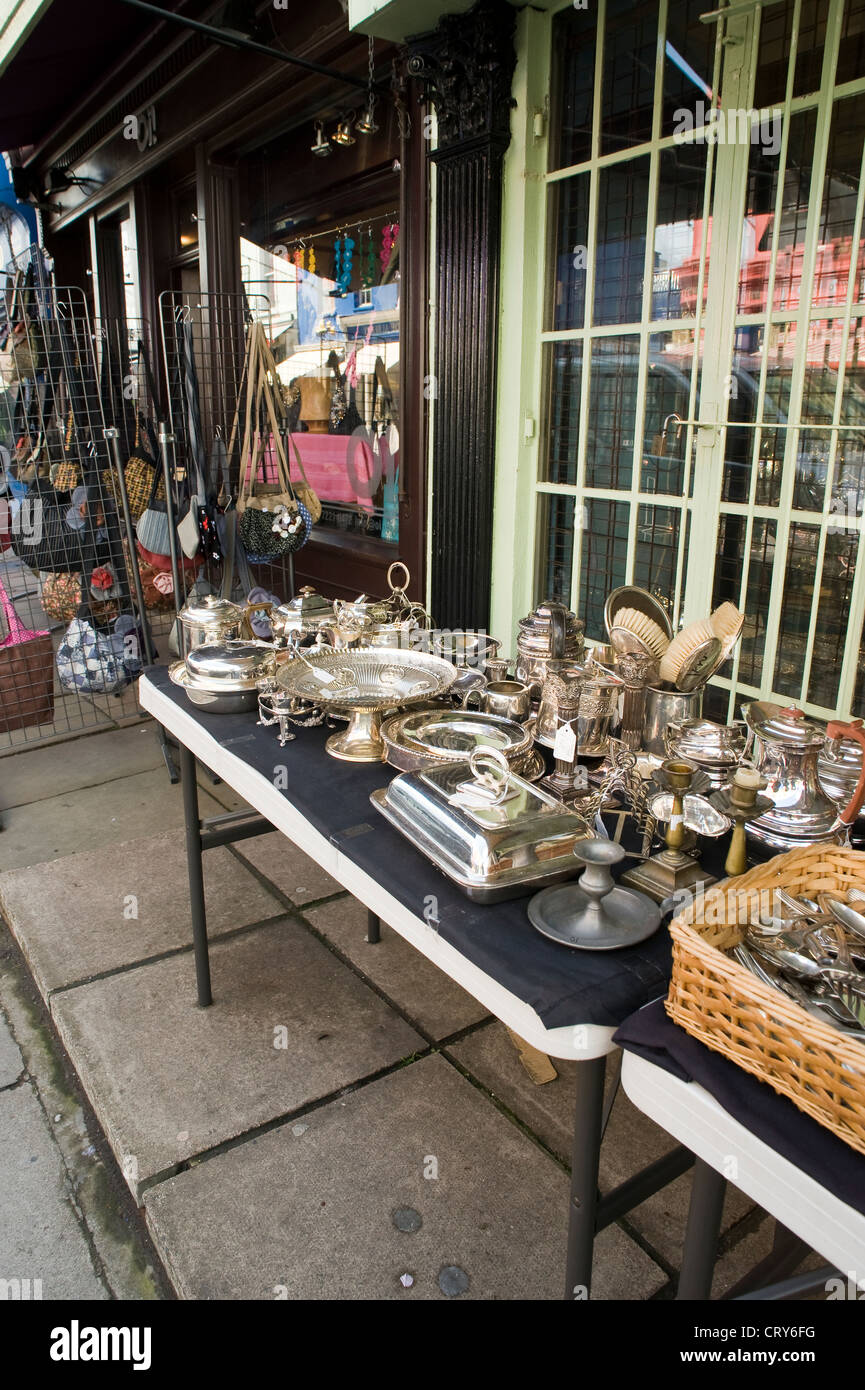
[321,146]
[342,135]
[365,122]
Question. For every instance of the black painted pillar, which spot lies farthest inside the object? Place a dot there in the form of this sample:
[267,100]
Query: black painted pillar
[467,66]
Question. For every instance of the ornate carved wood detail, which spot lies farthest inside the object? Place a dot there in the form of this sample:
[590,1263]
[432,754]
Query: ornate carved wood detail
[467,66]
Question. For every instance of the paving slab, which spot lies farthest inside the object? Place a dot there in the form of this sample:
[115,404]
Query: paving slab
[81,762]
[11,1061]
[632,1140]
[106,815]
[88,913]
[292,871]
[423,991]
[307,1210]
[40,1236]
[290,1025]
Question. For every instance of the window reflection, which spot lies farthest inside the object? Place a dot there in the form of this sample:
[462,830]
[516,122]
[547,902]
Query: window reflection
[337,353]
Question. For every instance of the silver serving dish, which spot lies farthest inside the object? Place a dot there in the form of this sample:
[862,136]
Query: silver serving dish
[215,701]
[465,648]
[425,738]
[700,815]
[364,684]
[234,665]
[491,832]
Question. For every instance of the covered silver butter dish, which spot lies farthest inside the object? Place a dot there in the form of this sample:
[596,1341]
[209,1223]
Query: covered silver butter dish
[490,831]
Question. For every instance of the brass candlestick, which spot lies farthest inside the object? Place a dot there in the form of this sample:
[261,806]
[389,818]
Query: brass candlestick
[740,799]
[676,867]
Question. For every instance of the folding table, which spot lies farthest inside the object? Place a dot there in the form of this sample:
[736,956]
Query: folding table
[804,1176]
[566,1003]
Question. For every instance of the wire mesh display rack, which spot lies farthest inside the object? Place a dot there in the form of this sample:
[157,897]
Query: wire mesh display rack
[63,540]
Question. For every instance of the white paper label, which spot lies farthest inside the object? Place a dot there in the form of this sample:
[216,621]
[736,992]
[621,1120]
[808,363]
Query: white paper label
[565,745]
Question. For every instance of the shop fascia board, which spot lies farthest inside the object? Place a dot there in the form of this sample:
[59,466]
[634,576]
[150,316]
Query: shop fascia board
[399,20]
[17,26]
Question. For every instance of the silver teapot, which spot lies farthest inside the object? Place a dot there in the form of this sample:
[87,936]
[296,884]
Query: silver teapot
[596,698]
[551,632]
[786,748]
[304,615]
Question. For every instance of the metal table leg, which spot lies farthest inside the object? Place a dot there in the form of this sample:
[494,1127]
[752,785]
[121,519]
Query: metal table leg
[373,928]
[701,1236]
[588,1130]
[196,876]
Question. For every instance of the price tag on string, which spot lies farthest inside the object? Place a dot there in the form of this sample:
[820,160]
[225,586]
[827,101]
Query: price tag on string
[565,746]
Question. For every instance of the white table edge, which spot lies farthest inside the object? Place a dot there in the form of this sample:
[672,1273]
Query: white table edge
[696,1119]
[575,1042]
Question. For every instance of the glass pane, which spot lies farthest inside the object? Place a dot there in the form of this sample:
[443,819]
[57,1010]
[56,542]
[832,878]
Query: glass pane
[628,83]
[851,54]
[668,387]
[833,614]
[555,547]
[809,52]
[764,171]
[623,196]
[729,568]
[795,616]
[838,210]
[604,555]
[612,412]
[794,210]
[848,490]
[565,364]
[337,354]
[690,54]
[573,87]
[773,49]
[742,406]
[569,215]
[657,550]
[679,231]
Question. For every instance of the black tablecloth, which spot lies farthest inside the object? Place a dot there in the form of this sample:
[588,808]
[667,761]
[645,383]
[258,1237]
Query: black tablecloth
[565,987]
[650,1033]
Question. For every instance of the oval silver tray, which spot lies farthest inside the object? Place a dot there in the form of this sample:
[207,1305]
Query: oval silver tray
[425,737]
[372,678]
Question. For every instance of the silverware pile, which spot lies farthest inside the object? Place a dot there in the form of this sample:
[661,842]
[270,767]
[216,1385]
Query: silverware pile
[813,951]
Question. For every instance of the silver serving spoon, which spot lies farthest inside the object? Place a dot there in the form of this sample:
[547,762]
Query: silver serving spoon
[844,913]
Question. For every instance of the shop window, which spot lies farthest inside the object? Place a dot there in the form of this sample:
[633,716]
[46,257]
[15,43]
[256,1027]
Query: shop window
[335,329]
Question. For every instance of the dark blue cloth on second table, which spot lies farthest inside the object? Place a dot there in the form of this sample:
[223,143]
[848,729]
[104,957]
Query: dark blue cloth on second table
[771,1117]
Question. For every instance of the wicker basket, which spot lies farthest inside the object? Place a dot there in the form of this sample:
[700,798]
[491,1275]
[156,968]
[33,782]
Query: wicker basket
[722,1004]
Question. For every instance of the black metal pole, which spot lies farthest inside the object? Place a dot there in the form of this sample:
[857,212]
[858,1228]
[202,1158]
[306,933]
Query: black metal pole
[164,440]
[373,928]
[112,435]
[195,869]
[701,1235]
[588,1130]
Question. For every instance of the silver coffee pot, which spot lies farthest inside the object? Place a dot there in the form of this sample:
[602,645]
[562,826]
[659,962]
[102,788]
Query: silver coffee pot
[786,747]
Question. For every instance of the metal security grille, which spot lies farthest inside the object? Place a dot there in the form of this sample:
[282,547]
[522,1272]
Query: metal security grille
[706,263]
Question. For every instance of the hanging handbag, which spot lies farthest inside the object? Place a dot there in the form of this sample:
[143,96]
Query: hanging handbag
[26,673]
[63,594]
[272,521]
[98,661]
[153,535]
[65,537]
[304,490]
[139,472]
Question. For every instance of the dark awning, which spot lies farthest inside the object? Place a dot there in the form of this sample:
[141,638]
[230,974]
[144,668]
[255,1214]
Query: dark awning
[74,44]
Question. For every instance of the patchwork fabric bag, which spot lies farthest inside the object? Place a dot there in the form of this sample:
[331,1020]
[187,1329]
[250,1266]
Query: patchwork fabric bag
[97,661]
